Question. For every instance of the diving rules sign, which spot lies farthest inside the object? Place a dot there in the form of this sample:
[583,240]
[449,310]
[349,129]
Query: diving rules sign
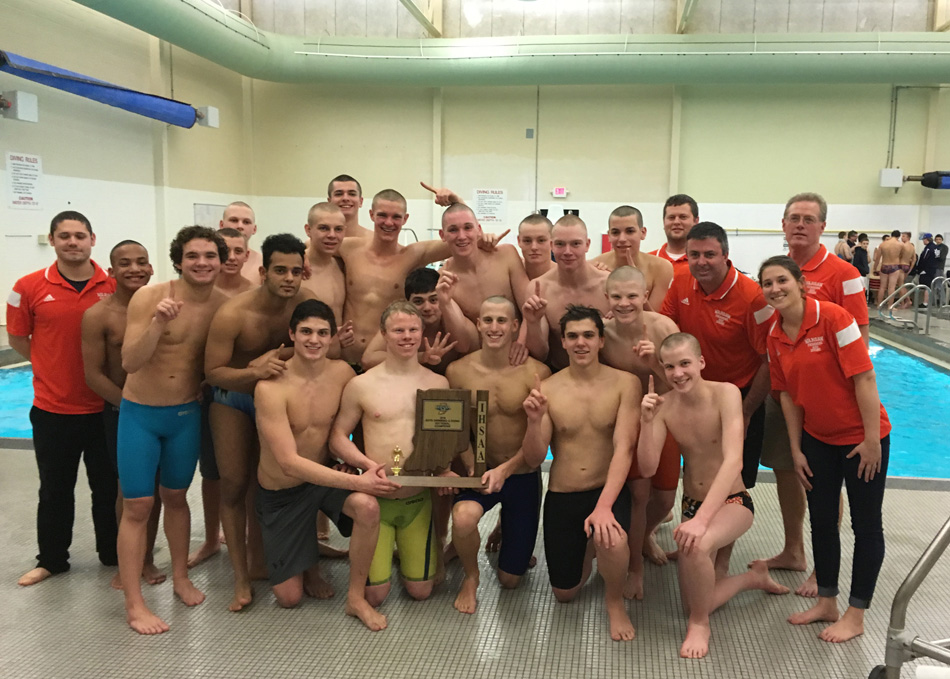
[24,181]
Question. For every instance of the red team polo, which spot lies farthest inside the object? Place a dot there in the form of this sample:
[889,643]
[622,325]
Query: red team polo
[731,324]
[816,370]
[43,304]
[679,264]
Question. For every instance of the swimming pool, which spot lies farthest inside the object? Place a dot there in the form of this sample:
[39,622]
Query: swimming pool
[910,388]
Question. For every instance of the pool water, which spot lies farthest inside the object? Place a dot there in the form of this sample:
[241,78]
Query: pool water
[911,389]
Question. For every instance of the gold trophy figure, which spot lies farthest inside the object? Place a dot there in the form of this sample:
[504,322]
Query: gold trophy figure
[397,456]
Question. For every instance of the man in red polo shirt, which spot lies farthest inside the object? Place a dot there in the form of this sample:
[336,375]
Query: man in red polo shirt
[726,312]
[680,214]
[828,278]
[44,313]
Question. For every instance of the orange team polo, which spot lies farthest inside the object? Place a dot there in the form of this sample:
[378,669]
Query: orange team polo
[816,370]
[829,278]
[45,306]
[679,264]
[730,324]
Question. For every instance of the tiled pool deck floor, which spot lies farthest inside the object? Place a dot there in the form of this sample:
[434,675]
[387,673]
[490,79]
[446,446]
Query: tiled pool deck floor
[72,626]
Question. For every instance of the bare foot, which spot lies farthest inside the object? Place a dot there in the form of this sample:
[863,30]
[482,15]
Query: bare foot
[783,561]
[368,615]
[32,577]
[188,593]
[764,581]
[332,552]
[449,553]
[850,626]
[144,621]
[493,543]
[116,582]
[221,538]
[316,586]
[633,587]
[151,574]
[621,629]
[206,551]
[466,601]
[809,588]
[653,552]
[696,643]
[243,595]
[826,610]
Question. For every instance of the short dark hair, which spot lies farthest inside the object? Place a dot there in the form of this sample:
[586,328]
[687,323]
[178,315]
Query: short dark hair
[421,281]
[343,178]
[705,230]
[122,244]
[391,195]
[852,233]
[682,199]
[285,243]
[536,218]
[577,312]
[842,234]
[895,234]
[627,211]
[229,232]
[190,233]
[312,308]
[69,214]
[862,236]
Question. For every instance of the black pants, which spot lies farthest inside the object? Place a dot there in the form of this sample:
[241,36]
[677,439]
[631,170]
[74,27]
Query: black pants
[829,468]
[752,446]
[59,442]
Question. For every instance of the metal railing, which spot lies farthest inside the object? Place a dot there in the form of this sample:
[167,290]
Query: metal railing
[938,304]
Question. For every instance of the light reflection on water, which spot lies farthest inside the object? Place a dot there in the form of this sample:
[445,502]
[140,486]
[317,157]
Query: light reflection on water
[913,391]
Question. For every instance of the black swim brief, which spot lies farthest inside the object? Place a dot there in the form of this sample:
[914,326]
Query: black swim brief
[691,506]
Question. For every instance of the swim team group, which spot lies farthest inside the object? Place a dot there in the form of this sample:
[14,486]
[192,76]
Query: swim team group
[291,374]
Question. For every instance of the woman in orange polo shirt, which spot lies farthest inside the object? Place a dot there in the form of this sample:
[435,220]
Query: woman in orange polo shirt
[838,431]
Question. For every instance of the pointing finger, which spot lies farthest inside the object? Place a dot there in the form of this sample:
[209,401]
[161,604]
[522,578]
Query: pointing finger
[650,388]
[537,287]
[427,187]
[503,234]
[537,381]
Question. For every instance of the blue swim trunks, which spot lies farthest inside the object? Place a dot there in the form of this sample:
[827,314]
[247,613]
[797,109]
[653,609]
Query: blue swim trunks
[235,399]
[157,438]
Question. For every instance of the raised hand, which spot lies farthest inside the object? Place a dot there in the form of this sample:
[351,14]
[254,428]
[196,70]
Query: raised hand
[443,196]
[433,353]
[537,403]
[645,349]
[651,402]
[445,285]
[268,364]
[533,307]
[167,310]
[490,241]
[344,334]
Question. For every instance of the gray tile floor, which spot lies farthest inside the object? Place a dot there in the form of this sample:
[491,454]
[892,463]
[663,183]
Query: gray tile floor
[72,626]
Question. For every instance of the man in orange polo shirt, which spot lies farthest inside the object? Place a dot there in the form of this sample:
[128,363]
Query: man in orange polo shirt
[828,279]
[680,214]
[44,313]
[726,312]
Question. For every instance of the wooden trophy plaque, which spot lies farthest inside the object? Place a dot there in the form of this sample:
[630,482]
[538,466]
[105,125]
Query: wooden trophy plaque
[444,421]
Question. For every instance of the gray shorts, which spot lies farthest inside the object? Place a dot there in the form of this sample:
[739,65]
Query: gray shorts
[776,450]
[288,519]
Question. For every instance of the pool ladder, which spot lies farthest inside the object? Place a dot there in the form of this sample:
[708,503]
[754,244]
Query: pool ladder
[939,290]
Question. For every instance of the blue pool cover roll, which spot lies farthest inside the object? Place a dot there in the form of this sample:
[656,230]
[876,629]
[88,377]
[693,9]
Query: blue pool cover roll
[149,105]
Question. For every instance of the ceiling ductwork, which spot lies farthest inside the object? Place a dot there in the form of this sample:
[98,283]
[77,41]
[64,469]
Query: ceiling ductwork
[223,38]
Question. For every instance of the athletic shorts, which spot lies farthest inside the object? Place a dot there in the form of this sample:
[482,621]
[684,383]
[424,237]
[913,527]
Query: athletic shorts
[235,399]
[565,542]
[288,519]
[667,476]
[207,464]
[776,450]
[520,500]
[110,420]
[407,523]
[165,439]
[691,506]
